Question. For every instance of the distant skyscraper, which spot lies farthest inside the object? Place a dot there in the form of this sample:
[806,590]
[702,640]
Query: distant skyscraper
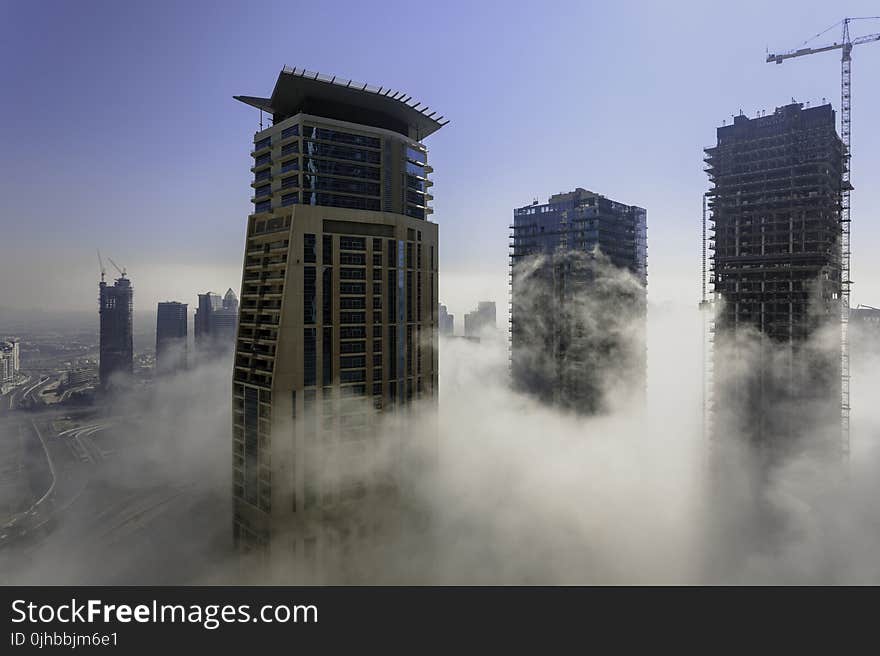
[776,211]
[445,322]
[864,321]
[115,311]
[171,331]
[216,321]
[10,361]
[339,306]
[578,295]
[481,322]
[865,316]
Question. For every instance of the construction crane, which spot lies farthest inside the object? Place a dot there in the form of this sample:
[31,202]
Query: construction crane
[845,45]
[101,266]
[116,266]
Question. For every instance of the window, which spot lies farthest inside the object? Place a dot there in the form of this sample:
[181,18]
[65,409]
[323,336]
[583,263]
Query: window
[416,198]
[315,149]
[327,356]
[392,254]
[353,258]
[327,253]
[265,206]
[353,347]
[352,288]
[327,290]
[262,143]
[337,184]
[292,131]
[265,190]
[309,357]
[352,243]
[352,332]
[417,184]
[347,169]
[352,274]
[352,362]
[352,317]
[309,254]
[415,155]
[309,295]
[289,199]
[325,134]
[419,212]
[352,376]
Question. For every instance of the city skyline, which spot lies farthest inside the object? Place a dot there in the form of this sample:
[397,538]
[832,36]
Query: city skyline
[658,119]
[625,399]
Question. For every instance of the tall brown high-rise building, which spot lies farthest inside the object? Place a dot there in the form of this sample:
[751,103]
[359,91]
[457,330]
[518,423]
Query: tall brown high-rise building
[338,316]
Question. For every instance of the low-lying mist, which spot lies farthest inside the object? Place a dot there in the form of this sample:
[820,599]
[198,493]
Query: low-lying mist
[522,493]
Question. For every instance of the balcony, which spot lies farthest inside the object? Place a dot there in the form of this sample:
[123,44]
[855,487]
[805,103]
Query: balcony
[263,207]
[261,193]
[262,162]
[262,147]
[262,178]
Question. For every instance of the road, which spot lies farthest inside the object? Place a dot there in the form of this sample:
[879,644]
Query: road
[104,511]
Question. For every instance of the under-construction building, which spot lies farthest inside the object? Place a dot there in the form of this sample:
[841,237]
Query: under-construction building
[338,314]
[116,345]
[775,259]
[578,299]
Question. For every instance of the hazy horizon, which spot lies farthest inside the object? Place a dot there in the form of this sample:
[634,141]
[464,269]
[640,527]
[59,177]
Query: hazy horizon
[147,154]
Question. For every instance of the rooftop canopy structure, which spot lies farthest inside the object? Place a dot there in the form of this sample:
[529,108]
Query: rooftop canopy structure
[302,91]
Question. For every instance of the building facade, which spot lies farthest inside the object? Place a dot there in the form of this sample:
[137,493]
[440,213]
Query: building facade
[216,322]
[115,306]
[481,322]
[578,294]
[445,321]
[338,311]
[171,336]
[776,266]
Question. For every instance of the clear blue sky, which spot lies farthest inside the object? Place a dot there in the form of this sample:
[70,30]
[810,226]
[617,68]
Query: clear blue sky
[119,131]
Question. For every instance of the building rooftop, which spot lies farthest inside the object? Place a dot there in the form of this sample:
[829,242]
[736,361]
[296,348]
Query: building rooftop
[322,95]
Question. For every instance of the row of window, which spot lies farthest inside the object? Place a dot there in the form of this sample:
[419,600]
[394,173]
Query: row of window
[315,182]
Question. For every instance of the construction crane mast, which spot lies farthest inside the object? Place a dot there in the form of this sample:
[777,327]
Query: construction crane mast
[116,266]
[101,266]
[845,45]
